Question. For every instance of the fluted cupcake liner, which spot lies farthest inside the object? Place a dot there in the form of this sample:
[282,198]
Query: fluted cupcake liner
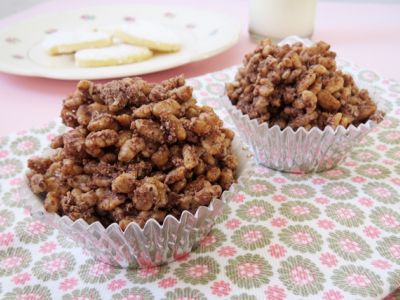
[137,247]
[301,150]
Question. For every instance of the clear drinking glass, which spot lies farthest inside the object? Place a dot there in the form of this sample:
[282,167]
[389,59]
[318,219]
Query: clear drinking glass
[278,19]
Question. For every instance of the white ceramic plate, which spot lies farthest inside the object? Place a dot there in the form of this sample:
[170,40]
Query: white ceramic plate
[203,34]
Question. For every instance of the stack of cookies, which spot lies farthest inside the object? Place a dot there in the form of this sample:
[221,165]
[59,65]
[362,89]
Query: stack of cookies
[126,43]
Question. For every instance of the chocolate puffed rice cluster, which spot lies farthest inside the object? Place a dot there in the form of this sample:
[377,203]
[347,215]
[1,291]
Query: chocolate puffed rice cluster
[299,86]
[136,150]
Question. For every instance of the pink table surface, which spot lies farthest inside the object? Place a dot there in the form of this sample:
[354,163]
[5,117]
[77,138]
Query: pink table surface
[366,34]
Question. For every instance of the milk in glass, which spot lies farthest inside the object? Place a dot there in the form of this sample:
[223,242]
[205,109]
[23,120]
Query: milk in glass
[278,19]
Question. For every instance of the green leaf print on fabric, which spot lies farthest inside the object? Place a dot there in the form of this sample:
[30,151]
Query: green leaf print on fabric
[33,231]
[299,191]
[33,292]
[389,247]
[386,219]
[248,271]
[6,219]
[147,274]
[200,270]
[373,171]
[349,245]
[25,145]
[10,167]
[365,142]
[134,293]
[358,281]
[216,88]
[394,153]
[301,238]
[54,266]
[93,271]
[301,276]
[364,155]
[14,260]
[391,137]
[211,242]
[338,173]
[13,198]
[221,76]
[382,192]
[251,237]
[339,190]
[85,293]
[259,188]
[345,214]
[368,76]
[255,210]
[394,279]
[243,297]
[186,293]
[299,210]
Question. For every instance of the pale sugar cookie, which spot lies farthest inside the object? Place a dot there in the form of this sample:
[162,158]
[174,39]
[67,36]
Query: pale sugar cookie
[151,35]
[64,42]
[113,55]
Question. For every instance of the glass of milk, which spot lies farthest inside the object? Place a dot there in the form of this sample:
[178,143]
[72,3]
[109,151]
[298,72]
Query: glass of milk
[278,19]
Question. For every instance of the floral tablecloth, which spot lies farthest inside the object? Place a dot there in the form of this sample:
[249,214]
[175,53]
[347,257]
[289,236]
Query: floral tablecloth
[331,236]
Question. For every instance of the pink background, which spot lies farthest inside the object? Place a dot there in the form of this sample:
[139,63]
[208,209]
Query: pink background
[365,33]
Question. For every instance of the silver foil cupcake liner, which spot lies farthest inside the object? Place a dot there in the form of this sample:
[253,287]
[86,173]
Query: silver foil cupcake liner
[137,247]
[300,151]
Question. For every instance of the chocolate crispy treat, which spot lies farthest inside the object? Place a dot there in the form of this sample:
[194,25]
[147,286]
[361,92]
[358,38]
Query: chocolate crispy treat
[136,150]
[299,86]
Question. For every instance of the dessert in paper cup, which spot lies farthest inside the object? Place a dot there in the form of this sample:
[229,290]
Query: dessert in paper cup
[141,175]
[295,109]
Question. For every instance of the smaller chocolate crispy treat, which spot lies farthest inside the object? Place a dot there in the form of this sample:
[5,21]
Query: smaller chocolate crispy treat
[299,86]
[135,150]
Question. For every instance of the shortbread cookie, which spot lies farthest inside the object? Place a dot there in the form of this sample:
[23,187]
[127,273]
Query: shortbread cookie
[113,55]
[65,42]
[151,35]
